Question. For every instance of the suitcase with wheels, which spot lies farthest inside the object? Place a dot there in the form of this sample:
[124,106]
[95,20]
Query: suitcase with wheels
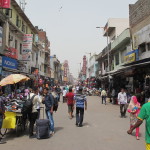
[42,128]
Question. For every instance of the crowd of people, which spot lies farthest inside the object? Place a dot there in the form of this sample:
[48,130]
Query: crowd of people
[50,97]
[75,97]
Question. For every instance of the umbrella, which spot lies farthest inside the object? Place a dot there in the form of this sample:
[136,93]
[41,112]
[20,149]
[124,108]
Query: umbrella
[13,78]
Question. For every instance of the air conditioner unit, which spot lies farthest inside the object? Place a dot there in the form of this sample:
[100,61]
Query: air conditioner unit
[10,38]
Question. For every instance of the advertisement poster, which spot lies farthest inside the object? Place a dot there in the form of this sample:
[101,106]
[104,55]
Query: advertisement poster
[27,47]
[12,52]
[5,3]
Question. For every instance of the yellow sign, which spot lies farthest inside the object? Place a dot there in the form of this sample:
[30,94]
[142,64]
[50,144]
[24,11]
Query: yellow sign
[130,58]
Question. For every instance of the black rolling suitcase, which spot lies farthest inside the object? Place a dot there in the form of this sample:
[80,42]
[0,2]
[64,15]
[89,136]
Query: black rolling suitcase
[42,128]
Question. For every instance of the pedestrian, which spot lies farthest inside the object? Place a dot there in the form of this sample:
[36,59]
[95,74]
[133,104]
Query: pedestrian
[32,116]
[104,95]
[70,102]
[2,116]
[122,101]
[58,90]
[143,115]
[134,110]
[113,94]
[49,102]
[64,94]
[81,104]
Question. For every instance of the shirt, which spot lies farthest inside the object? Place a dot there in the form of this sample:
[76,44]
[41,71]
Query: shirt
[35,102]
[145,115]
[70,98]
[103,93]
[49,101]
[80,100]
[122,98]
[64,93]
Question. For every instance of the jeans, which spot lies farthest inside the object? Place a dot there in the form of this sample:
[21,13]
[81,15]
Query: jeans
[104,99]
[50,117]
[79,115]
[123,109]
[32,118]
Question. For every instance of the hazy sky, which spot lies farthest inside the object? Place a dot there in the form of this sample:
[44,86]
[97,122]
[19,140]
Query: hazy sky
[71,25]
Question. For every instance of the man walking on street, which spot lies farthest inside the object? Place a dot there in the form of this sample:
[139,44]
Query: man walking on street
[104,95]
[70,102]
[122,101]
[144,115]
[49,102]
[34,114]
[81,102]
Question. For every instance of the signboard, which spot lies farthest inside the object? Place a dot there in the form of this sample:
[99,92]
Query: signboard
[84,65]
[5,3]
[132,56]
[65,68]
[9,63]
[27,47]
[1,38]
[12,52]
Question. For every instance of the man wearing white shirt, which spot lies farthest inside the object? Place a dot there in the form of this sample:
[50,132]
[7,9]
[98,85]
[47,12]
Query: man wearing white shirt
[122,101]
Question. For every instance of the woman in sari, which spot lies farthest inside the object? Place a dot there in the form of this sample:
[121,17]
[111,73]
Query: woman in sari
[134,110]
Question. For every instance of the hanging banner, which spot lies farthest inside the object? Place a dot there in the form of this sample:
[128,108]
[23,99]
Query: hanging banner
[84,65]
[5,3]
[27,47]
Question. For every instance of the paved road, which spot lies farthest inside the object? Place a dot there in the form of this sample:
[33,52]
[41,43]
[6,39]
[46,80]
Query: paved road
[103,130]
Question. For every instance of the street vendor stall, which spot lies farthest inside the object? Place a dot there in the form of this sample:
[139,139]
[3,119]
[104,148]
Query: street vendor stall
[13,116]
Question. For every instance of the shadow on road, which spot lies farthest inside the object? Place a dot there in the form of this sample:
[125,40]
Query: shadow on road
[57,129]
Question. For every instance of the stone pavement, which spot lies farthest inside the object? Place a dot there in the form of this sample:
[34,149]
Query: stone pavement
[103,130]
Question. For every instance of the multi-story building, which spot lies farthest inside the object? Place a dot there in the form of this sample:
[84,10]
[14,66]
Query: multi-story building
[55,69]
[118,40]
[44,53]
[16,26]
[93,66]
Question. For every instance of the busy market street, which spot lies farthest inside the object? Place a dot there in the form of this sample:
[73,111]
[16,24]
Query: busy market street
[103,129]
[75,75]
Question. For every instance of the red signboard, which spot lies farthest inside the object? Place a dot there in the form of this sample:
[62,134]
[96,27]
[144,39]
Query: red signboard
[5,3]
[12,52]
[84,65]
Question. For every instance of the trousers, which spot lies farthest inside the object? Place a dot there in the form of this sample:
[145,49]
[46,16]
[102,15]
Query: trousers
[123,109]
[79,115]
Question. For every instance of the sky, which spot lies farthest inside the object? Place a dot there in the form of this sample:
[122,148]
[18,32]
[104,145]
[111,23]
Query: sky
[71,25]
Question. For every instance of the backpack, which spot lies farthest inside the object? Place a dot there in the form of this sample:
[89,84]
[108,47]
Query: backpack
[55,105]
[28,104]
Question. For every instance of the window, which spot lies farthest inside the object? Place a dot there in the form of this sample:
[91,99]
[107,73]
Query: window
[148,46]
[8,13]
[26,30]
[117,59]
[16,44]
[142,48]
[17,21]
[20,48]
[23,27]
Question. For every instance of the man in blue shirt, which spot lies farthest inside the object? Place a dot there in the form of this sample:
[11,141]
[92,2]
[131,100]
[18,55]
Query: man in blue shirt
[81,103]
[49,102]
